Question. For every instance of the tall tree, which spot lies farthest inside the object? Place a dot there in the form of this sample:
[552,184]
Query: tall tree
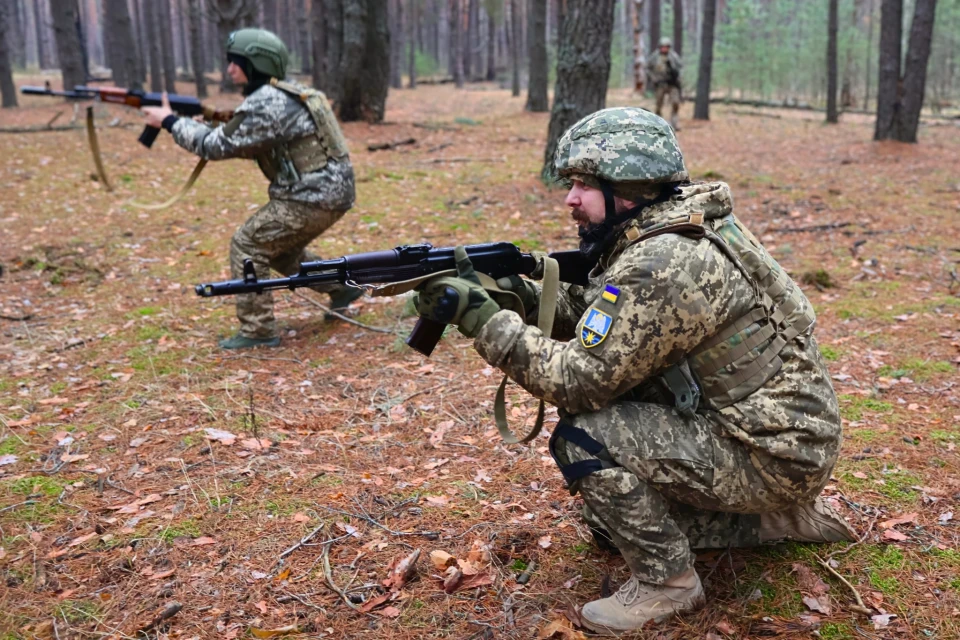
[832,27]
[456,41]
[396,43]
[493,11]
[123,51]
[364,72]
[470,44]
[412,19]
[701,108]
[655,19]
[537,82]
[269,8]
[151,11]
[900,97]
[303,37]
[166,45]
[583,69]
[16,33]
[69,47]
[318,27]
[230,15]
[515,44]
[140,37]
[639,49]
[181,32]
[678,26]
[39,19]
[196,48]
[7,88]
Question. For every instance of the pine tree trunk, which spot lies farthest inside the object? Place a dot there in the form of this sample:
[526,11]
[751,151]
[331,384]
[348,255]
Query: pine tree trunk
[832,27]
[318,28]
[15,39]
[915,71]
[537,84]
[332,84]
[303,38]
[891,29]
[139,37]
[515,44]
[701,110]
[412,33]
[196,48]
[270,15]
[655,14]
[166,44]
[639,50]
[492,46]
[365,61]
[583,69]
[8,89]
[182,39]
[456,42]
[468,41]
[38,20]
[123,52]
[678,26]
[230,15]
[396,44]
[69,48]
[151,16]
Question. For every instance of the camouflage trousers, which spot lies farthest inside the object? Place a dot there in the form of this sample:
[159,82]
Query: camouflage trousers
[671,484]
[275,237]
[665,92]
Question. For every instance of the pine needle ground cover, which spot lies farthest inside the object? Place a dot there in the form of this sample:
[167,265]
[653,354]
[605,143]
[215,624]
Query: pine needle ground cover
[149,481]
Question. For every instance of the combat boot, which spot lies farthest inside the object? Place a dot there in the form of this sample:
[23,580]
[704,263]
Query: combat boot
[813,522]
[637,603]
[243,342]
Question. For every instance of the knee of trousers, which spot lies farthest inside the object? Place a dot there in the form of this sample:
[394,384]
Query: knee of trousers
[567,434]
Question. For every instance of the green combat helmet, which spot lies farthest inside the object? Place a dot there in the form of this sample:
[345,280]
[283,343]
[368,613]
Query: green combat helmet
[264,49]
[627,147]
[666,42]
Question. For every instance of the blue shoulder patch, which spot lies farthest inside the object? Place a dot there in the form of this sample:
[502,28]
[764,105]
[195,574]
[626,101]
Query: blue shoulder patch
[595,328]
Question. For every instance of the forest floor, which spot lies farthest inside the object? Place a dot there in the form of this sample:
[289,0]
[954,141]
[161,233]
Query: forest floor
[140,466]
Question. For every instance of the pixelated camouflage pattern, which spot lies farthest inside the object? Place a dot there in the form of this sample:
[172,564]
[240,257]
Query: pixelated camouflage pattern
[275,237]
[675,292]
[621,144]
[664,69]
[268,118]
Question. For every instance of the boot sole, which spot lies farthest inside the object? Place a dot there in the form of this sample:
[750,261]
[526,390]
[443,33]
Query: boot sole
[604,630]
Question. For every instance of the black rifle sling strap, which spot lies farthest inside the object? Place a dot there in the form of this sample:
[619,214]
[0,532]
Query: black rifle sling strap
[95,150]
[548,308]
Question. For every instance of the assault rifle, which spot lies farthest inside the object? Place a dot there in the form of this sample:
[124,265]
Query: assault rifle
[181,105]
[409,262]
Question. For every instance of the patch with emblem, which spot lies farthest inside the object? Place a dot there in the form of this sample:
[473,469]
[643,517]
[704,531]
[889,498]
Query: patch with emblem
[595,328]
[610,294]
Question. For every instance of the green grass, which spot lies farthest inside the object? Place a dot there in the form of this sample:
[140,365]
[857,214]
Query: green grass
[10,445]
[186,529]
[829,353]
[836,631]
[77,611]
[147,311]
[35,485]
[852,407]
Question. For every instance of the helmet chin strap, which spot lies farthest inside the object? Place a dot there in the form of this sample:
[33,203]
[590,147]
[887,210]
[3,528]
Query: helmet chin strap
[597,238]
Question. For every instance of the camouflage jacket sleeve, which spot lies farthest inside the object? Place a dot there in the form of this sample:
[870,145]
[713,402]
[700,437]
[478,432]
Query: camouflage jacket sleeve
[258,129]
[673,293]
[570,306]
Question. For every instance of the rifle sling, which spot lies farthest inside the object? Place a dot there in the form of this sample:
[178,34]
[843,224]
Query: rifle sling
[95,150]
[197,170]
[548,308]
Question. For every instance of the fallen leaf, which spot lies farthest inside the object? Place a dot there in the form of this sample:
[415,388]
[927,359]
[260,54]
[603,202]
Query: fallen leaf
[273,633]
[82,539]
[389,612]
[468,568]
[348,529]
[820,604]
[560,629]
[74,457]
[430,466]
[451,579]
[479,553]
[545,542]
[860,475]
[945,517]
[254,444]
[725,627]
[301,517]
[438,501]
[809,581]
[401,571]
[893,535]
[258,575]
[203,540]
[482,476]
[8,458]
[438,432]
[472,582]
[283,575]
[904,519]
[441,559]
[224,437]
[881,621]
[163,574]
[261,607]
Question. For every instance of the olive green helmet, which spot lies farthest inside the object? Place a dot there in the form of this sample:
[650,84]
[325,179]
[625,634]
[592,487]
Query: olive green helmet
[264,49]
[628,147]
[666,42]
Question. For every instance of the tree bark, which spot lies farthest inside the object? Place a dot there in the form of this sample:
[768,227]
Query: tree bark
[492,42]
[456,42]
[678,26]
[412,32]
[655,15]
[123,51]
[303,38]
[583,69]
[183,45]
[915,71]
[888,77]
[515,44]
[166,44]
[470,43]
[701,109]
[38,20]
[832,27]
[69,48]
[537,100]
[196,48]
[639,50]
[365,61]
[13,40]
[8,89]
[334,36]
[396,43]
[270,15]
[139,36]
[151,12]
[318,26]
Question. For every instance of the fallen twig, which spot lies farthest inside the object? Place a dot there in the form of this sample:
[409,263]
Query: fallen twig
[292,596]
[328,576]
[384,146]
[427,534]
[442,160]
[19,504]
[524,577]
[172,609]
[304,540]
[22,318]
[816,227]
[341,316]
[860,607]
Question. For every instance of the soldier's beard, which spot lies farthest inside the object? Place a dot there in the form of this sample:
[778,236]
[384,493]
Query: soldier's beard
[595,238]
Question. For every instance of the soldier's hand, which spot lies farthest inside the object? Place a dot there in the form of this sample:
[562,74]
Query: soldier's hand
[459,300]
[527,291]
[155,115]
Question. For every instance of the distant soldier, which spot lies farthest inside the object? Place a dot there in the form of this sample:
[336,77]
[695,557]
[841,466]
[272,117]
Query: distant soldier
[291,132]
[663,70]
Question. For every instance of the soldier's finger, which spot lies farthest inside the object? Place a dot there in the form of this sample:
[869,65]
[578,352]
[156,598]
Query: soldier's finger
[464,267]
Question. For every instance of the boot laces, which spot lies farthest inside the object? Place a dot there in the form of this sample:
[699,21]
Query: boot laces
[629,592]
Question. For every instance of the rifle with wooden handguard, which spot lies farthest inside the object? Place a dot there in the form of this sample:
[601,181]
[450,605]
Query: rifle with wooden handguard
[403,264]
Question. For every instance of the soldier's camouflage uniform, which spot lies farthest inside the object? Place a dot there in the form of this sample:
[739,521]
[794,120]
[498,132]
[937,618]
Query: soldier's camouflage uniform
[663,73]
[302,204]
[668,481]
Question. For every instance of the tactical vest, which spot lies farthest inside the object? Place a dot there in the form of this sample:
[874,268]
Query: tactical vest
[744,354]
[286,162]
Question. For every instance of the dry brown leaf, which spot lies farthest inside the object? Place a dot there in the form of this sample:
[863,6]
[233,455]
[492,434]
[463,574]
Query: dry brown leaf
[74,457]
[82,539]
[372,604]
[725,627]
[442,560]
[273,633]
[545,542]
[809,581]
[224,437]
[438,501]
[348,529]
[820,604]
[389,612]
[401,571]
[255,444]
[468,568]
[163,574]
[439,431]
[904,519]
[283,575]
[479,553]
[451,579]
[894,536]
[560,629]
[203,540]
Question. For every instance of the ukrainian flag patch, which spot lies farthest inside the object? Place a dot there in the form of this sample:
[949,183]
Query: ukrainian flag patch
[610,294]
[595,328]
